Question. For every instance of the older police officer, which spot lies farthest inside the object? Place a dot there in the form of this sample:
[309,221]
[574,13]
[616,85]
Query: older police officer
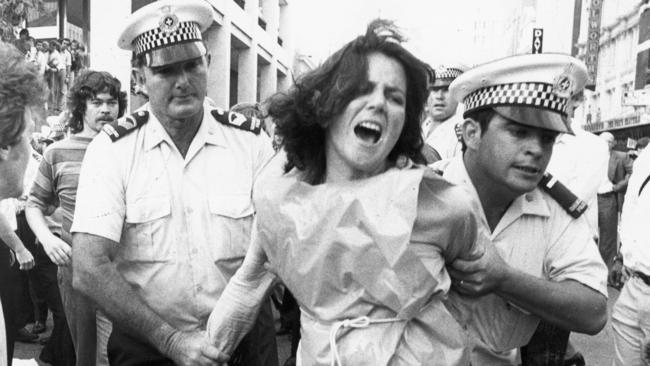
[164,206]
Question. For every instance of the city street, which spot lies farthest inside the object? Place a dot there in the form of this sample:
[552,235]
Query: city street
[598,350]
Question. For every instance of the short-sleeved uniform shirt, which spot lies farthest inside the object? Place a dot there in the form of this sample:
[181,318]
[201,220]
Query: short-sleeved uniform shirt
[182,225]
[538,237]
[444,138]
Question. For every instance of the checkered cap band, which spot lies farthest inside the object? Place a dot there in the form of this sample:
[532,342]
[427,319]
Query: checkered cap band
[156,38]
[449,73]
[524,94]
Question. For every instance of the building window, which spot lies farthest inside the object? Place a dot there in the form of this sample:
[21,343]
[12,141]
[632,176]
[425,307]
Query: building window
[241,3]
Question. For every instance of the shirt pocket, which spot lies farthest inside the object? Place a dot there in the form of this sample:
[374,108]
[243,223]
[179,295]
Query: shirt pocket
[147,230]
[231,219]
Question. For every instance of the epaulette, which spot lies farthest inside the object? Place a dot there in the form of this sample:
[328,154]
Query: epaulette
[123,126]
[571,203]
[237,120]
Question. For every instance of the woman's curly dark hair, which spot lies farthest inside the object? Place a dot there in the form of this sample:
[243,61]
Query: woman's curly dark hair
[86,86]
[303,113]
[21,87]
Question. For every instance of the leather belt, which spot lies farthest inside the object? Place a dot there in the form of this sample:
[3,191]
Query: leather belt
[644,277]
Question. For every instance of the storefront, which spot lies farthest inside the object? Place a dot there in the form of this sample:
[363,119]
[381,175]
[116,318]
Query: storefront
[624,128]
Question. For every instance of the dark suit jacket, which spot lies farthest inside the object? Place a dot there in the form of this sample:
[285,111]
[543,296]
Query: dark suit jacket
[618,172]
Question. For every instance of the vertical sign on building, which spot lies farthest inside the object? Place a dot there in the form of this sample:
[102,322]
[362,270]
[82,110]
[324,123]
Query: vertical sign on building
[643,50]
[538,38]
[593,41]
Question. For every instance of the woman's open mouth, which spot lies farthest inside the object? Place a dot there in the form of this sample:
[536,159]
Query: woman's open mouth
[369,132]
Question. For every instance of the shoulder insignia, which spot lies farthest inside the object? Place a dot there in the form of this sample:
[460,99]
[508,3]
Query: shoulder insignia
[123,126]
[237,120]
[571,203]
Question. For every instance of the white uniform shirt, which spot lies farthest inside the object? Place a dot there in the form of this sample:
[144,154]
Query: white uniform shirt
[182,224]
[444,139]
[635,235]
[538,237]
[580,161]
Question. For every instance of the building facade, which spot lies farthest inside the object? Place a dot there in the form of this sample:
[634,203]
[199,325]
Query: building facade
[250,42]
[610,107]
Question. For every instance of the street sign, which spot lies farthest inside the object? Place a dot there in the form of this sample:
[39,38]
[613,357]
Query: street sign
[640,97]
[593,41]
[538,38]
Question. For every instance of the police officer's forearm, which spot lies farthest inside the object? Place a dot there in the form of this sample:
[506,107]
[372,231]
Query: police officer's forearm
[567,304]
[96,276]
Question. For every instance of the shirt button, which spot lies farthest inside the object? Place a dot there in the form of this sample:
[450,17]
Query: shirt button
[194,251]
[199,288]
[188,210]
[529,198]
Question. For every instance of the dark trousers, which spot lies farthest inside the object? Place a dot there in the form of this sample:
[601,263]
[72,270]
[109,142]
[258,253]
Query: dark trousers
[290,316]
[258,348]
[10,291]
[546,347]
[608,227]
[58,351]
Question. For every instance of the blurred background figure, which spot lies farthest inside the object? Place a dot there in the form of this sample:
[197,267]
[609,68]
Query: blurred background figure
[95,99]
[610,199]
[439,127]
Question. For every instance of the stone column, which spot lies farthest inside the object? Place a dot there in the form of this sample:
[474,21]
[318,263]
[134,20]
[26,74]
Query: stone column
[218,40]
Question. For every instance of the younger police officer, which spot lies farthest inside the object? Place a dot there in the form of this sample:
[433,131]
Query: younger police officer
[164,206]
[543,263]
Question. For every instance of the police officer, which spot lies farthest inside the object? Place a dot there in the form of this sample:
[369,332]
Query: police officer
[164,208]
[542,263]
[439,128]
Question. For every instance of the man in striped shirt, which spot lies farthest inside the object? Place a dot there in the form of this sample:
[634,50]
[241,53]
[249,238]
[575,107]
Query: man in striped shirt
[94,100]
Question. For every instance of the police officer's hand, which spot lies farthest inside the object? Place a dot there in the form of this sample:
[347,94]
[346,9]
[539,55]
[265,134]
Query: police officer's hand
[59,252]
[618,275]
[479,276]
[190,349]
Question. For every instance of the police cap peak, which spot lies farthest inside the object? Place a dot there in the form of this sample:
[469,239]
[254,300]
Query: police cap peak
[533,89]
[167,31]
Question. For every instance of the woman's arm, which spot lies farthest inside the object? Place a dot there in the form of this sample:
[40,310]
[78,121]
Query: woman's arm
[237,308]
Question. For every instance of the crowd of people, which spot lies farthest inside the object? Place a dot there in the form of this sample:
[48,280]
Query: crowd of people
[59,61]
[411,215]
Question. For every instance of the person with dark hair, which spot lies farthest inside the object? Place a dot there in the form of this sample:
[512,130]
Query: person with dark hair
[21,97]
[542,262]
[361,243]
[94,100]
[164,212]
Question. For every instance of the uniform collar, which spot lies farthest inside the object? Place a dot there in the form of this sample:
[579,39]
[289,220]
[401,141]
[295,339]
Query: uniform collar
[208,133]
